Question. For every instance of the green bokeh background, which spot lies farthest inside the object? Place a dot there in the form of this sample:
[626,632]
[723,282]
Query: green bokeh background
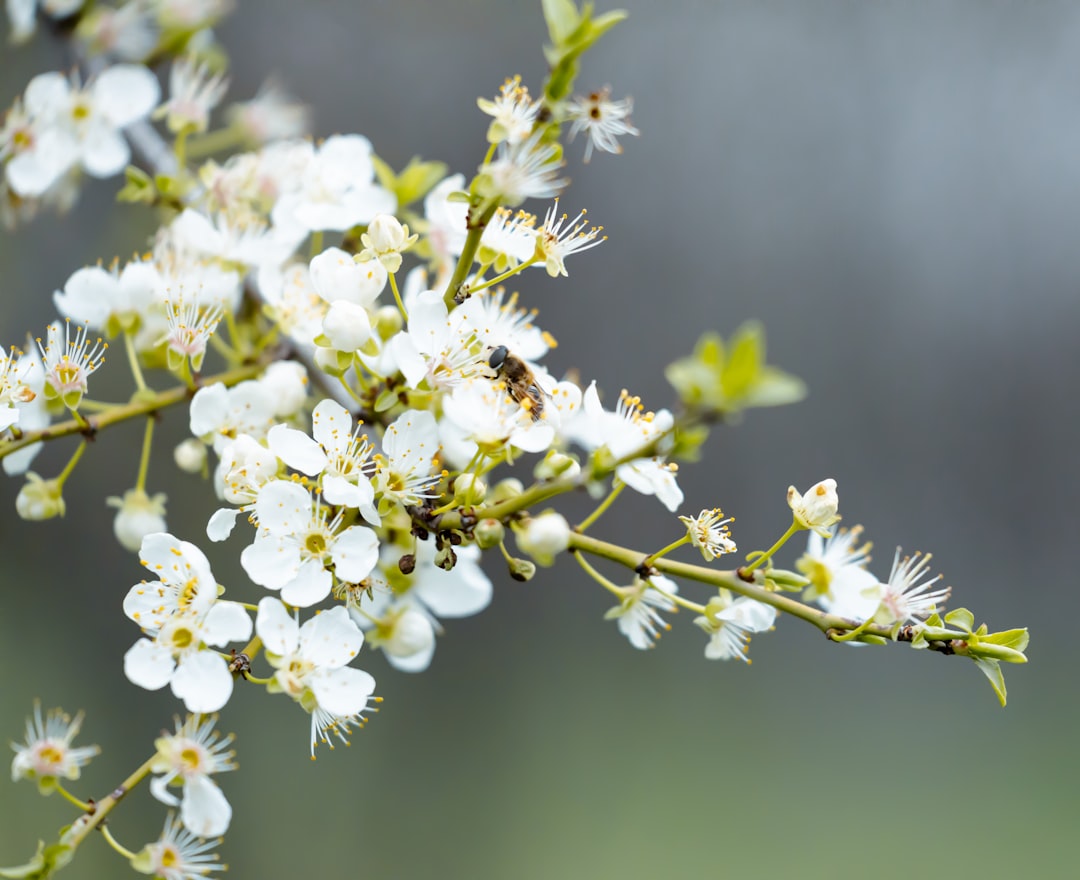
[894,189]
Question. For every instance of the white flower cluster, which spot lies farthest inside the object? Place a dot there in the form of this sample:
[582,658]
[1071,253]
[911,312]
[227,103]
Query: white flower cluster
[340,513]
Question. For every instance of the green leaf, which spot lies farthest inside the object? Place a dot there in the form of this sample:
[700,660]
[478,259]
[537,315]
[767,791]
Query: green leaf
[688,443]
[962,618]
[413,182]
[992,670]
[386,400]
[1017,639]
[45,862]
[562,19]
[138,187]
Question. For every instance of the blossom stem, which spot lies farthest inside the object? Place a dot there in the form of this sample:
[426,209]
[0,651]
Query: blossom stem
[144,459]
[71,799]
[140,407]
[767,555]
[678,600]
[70,466]
[726,579]
[215,141]
[180,149]
[316,243]
[109,839]
[133,361]
[507,274]
[96,405]
[602,507]
[253,647]
[234,336]
[599,578]
[348,390]
[468,251]
[674,545]
[855,633]
[397,297]
[101,809]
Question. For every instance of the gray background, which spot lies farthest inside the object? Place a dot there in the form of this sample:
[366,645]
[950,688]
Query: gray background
[894,189]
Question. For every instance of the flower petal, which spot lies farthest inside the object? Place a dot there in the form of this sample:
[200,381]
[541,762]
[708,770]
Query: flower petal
[203,681]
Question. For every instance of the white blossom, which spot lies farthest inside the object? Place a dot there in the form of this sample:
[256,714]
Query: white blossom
[47,753]
[188,758]
[312,663]
[638,614]
[603,121]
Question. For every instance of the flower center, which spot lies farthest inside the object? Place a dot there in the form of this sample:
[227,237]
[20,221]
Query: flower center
[182,638]
[51,754]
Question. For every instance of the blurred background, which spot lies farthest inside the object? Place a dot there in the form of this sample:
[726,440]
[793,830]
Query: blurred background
[894,189]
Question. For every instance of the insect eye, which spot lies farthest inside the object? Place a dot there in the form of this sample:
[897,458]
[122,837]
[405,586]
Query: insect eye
[498,356]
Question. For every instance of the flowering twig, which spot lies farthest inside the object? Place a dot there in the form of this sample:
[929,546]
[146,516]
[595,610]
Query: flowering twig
[142,405]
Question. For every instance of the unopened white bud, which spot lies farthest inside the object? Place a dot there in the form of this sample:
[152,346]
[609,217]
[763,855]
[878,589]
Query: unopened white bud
[287,382]
[332,362]
[346,325]
[138,515]
[39,499]
[384,241]
[190,456]
[469,489]
[544,537]
[556,464]
[388,322]
[817,508]
[411,634]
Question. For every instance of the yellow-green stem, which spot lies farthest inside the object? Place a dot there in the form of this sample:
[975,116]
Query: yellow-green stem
[144,459]
[674,545]
[316,243]
[599,578]
[468,251]
[509,273]
[87,823]
[70,466]
[139,407]
[397,298]
[602,507]
[768,554]
[109,839]
[215,142]
[71,799]
[726,579]
[133,362]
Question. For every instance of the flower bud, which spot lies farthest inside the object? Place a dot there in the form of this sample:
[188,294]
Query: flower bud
[388,322]
[384,241]
[332,362]
[506,489]
[287,382]
[544,537]
[489,533]
[469,489]
[138,515]
[445,557]
[346,325]
[556,464]
[190,456]
[522,570]
[817,508]
[39,499]
[411,634]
